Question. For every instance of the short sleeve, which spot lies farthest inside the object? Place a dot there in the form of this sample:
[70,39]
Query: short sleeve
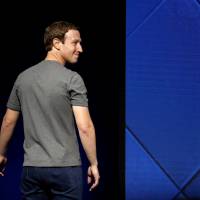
[13,100]
[78,91]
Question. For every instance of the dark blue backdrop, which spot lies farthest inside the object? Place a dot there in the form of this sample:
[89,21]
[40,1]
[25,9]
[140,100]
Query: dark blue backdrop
[162,99]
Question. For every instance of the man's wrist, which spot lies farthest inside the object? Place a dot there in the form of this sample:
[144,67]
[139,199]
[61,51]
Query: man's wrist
[94,163]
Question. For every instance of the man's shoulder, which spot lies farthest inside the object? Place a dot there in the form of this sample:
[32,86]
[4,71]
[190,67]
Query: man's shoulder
[71,73]
[29,69]
[26,73]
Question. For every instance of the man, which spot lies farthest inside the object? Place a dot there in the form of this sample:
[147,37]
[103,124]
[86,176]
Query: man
[50,96]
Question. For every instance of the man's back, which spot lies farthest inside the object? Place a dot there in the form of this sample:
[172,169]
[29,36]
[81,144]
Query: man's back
[48,95]
[45,93]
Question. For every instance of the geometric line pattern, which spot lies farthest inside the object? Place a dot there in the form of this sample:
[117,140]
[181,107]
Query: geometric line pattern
[184,187]
[180,189]
[144,179]
[146,18]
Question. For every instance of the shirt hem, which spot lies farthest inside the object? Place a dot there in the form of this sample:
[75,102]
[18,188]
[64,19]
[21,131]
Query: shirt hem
[51,164]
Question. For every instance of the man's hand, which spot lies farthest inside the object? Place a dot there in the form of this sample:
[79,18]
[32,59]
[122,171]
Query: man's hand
[93,176]
[3,161]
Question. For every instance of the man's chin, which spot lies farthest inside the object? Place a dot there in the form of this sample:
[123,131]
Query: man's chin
[72,61]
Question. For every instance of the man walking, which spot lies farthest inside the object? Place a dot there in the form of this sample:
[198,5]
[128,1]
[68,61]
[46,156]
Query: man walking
[50,96]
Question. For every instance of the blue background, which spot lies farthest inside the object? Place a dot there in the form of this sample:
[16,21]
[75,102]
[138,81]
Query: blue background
[162,99]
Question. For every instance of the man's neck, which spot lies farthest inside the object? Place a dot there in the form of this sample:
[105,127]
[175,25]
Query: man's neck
[55,57]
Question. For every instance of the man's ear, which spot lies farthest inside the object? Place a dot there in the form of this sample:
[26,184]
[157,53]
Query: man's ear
[56,43]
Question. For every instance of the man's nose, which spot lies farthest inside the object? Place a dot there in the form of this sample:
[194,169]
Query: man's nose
[80,49]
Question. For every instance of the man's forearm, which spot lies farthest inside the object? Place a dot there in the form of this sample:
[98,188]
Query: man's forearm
[6,134]
[88,140]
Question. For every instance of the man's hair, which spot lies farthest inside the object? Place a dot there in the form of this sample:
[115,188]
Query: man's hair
[57,30]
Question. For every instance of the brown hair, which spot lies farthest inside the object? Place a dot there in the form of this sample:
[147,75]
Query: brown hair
[57,30]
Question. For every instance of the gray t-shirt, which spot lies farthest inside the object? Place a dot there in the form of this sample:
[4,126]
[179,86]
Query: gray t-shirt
[45,94]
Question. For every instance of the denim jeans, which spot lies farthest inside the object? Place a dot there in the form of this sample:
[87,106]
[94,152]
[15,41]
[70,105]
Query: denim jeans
[51,183]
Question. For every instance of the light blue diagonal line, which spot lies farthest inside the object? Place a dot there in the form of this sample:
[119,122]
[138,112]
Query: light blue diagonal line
[153,11]
[198,2]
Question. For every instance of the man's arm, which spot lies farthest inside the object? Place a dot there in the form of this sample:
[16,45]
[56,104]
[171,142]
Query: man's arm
[88,140]
[7,128]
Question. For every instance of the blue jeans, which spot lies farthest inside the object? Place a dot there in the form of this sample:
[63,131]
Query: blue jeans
[51,183]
